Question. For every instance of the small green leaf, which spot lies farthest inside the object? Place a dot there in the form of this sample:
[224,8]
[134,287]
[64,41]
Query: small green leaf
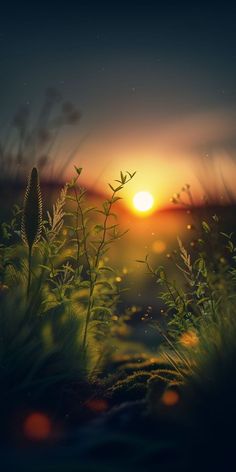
[109,269]
[102,309]
[78,170]
[206,227]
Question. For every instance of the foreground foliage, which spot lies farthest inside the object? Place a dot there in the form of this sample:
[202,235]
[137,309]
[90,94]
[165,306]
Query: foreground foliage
[57,292]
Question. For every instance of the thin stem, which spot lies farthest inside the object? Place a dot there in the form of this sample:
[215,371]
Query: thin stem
[76,228]
[29,270]
[93,282]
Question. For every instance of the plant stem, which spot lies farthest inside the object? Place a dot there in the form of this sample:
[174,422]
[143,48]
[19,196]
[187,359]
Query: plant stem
[79,210]
[29,270]
[93,282]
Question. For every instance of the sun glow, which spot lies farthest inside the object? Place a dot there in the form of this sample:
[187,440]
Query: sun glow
[143,201]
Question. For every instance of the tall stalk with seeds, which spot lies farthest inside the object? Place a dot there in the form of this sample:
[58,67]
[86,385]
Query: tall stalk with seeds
[31,226]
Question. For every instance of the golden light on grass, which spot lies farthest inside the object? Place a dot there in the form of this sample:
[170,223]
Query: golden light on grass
[189,339]
[143,201]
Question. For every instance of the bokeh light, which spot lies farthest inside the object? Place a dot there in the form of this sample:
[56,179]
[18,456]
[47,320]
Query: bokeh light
[158,246]
[170,398]
[37,427]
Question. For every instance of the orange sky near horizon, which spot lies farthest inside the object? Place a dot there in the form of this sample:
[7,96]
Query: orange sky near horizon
[194,148]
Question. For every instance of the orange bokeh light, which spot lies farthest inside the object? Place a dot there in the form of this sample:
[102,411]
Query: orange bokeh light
[37,427]
[158,246]
[97,405]
[170,398]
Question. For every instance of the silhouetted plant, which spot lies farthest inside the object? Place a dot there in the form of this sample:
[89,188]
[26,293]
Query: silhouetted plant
[34,139]
[199,308]
[64,330]
[31,227]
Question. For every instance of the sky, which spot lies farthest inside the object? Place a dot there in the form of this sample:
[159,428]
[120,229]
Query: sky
[155,82]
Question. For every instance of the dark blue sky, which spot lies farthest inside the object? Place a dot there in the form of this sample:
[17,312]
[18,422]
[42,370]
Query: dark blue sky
[169,57]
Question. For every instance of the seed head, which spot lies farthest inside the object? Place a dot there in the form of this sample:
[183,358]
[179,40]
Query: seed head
[31,225]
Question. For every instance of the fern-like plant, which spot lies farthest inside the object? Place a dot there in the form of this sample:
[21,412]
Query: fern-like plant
[31,226]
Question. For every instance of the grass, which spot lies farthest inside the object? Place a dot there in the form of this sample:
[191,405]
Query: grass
[58,296]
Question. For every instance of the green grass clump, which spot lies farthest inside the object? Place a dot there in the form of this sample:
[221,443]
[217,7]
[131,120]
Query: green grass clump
[62,331]
[200,306]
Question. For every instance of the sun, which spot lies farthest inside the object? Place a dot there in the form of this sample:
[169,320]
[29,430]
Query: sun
[143,201]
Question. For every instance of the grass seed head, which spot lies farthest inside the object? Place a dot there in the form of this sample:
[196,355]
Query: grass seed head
[31,227]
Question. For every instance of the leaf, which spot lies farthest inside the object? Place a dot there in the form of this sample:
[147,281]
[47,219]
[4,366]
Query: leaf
[98,228]
[115,199]
[105,284]
[106,207]
[78,170]
[42,266]
[69,197]
[123,177]
[206,227]
[85,283]
[112,188]
[109,269]
[103,309]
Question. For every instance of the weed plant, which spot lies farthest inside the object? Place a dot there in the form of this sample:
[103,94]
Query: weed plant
[57,291]
[36,138]
[199,315]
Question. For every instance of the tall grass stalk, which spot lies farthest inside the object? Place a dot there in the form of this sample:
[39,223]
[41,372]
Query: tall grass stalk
[31,226]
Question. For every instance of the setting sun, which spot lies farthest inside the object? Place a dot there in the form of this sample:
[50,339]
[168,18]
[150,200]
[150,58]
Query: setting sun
[143,201]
